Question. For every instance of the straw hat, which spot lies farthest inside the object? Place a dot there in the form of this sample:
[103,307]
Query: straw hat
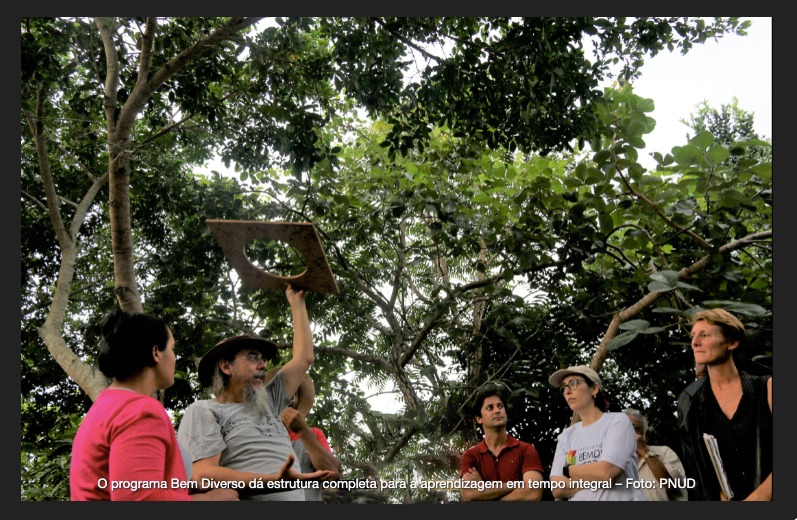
[226,348]
[305,394]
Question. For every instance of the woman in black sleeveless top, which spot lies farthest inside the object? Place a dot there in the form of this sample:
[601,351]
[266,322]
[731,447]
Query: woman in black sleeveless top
[734,407]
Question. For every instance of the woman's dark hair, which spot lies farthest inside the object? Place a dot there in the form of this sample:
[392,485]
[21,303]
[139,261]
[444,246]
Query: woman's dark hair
[127,340]
[600,398]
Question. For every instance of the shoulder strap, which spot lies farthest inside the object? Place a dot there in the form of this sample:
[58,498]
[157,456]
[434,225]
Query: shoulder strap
[686,396]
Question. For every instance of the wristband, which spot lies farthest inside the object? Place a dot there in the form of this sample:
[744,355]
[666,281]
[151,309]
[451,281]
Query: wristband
[566,471]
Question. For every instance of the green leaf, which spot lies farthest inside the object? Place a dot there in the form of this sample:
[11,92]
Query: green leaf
[763,170]
[659,287]
[636,325]
[606,222]
[646,105]
[757,142]
[682,209]
[702,140]
[749,309]
[684,285]
[666,276]
[717,154]
[581,171]
[652,330]
[594,176]
[636,142]
[649,179]
[657,157]
[685,155]
[732,199]
[636,128]
[666,310]
[621,340]
[602,157]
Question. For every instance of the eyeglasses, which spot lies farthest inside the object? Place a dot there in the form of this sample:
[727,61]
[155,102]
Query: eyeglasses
[572,385]
[254,357]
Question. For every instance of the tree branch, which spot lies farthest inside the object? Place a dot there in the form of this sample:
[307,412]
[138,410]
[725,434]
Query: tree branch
[367,358]
[650,298]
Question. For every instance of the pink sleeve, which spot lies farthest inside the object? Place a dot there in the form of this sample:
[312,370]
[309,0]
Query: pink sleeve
[145,457]
[321,439]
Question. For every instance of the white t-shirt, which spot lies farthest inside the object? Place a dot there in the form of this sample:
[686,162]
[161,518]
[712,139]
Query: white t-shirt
[611,438]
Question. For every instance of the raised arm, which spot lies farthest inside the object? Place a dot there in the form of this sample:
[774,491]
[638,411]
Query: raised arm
[294,370]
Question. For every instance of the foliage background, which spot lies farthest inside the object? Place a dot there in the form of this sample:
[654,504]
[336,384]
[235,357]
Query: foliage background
[431,233]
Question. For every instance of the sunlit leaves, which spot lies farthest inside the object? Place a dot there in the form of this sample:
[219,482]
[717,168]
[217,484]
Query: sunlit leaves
[763,170]
[717,154]
[686,155]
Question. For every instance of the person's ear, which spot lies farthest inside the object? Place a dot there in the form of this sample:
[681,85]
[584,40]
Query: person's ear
[224,366]
[156,354]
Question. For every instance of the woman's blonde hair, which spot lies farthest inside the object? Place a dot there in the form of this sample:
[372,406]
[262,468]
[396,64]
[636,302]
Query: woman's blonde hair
[732,327]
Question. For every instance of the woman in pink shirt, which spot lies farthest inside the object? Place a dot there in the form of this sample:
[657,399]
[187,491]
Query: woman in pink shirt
[126,447]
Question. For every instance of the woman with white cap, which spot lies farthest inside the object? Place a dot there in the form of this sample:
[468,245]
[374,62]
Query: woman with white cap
[595,458]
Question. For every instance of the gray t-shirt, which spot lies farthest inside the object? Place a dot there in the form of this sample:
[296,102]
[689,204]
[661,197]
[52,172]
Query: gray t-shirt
[311,494]
[246,442]
[187,462]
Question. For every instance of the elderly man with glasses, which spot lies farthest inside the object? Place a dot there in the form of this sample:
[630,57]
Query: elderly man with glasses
[500,467]
[237,439]
[658,465]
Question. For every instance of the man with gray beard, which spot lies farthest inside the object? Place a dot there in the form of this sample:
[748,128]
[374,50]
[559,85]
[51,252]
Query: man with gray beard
[237,439]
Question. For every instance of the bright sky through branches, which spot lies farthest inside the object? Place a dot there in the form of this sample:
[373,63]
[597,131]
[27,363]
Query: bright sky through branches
[714,71]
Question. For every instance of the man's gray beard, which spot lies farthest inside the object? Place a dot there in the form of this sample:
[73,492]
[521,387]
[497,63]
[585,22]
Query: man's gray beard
[257,399]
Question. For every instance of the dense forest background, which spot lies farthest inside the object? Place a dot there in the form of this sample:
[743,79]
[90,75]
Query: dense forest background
[479,198]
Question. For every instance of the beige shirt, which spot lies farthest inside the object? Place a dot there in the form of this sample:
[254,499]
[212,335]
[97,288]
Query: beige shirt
[674,467]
